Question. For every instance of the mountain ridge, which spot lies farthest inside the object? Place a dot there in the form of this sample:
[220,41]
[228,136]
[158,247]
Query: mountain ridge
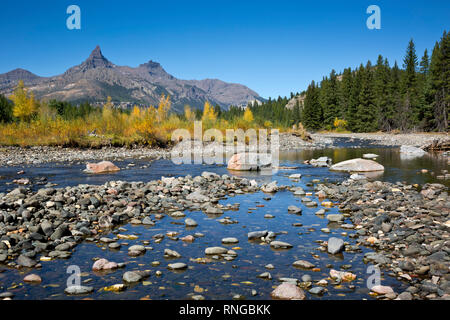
[96,78]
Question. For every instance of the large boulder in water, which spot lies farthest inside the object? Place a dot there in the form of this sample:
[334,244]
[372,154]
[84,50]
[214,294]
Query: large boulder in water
[249,161]
[357,165]
[321,162]
[412,151]
[101,167]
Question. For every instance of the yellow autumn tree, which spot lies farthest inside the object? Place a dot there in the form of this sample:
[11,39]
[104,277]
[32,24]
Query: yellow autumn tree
[107,108]
[208,112]
[188,114]
[340,124]
[163,108]
[136,112]
[107,120]
[24,102]
[134,119]
[248,115]
[145,124]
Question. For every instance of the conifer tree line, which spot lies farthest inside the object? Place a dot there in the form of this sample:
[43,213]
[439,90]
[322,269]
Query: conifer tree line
[380,97]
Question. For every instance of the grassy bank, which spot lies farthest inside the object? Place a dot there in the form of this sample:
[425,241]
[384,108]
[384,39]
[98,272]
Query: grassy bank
[35,123]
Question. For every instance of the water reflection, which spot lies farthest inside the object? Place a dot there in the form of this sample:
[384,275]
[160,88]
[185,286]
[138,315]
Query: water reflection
[220,279]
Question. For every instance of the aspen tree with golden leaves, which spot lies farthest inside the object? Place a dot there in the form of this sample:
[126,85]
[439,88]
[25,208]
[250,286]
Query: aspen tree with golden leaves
[136,112]
[188,114]
[208,112]
[163,108]
[248,115]
[24,102]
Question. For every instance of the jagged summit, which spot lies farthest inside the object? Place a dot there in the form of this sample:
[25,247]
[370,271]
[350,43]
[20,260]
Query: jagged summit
[154,69]
[96,53]
[97,60]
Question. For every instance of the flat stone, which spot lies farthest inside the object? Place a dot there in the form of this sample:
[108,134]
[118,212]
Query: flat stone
[370,156]
[101,167]
[32,278]
[265,275]
[405,296]
[215,250]
[335,245]
[25,261]
[177,266]
[335,217]
[256,234]
[148,221]
[379,289]
[190,222]
[280,245]
[103,264]
[230,240]
[74,290]
[288,291]
[171,253]
[294,209]
[303,264]
[114,245]
[317,290]
[137,248]
[132,276]
[357,165]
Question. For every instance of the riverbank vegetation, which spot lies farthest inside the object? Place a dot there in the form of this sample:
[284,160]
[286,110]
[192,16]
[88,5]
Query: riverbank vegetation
[26,121]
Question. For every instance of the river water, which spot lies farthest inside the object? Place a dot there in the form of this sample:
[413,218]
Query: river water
[221,279]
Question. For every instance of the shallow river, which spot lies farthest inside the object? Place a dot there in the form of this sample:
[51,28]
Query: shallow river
[220,279]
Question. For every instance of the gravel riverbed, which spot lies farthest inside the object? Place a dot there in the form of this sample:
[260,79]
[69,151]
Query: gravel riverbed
[407,226]
[407,139]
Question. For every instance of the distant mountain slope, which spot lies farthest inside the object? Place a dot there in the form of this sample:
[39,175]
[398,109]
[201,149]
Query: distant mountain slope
[96,78]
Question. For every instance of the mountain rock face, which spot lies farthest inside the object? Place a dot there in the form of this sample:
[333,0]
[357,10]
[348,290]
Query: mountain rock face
[300,99]
[97,78]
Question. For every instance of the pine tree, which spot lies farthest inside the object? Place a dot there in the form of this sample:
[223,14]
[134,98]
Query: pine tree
[366,113]
[439,82]
[424,63]
[382,97]
[353,123]
[425,114]
[329,99]
[5,109]
[410,109]
[312,111]
[345,93]
[395,96]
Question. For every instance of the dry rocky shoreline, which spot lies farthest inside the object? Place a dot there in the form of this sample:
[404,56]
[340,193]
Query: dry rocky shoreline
[11,156]
[406,139]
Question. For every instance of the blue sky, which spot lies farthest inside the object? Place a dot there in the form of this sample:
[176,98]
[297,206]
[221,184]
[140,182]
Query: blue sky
[273,47]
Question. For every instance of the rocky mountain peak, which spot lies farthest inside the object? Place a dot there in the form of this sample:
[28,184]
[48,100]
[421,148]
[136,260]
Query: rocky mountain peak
[154,69]
[97,60]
